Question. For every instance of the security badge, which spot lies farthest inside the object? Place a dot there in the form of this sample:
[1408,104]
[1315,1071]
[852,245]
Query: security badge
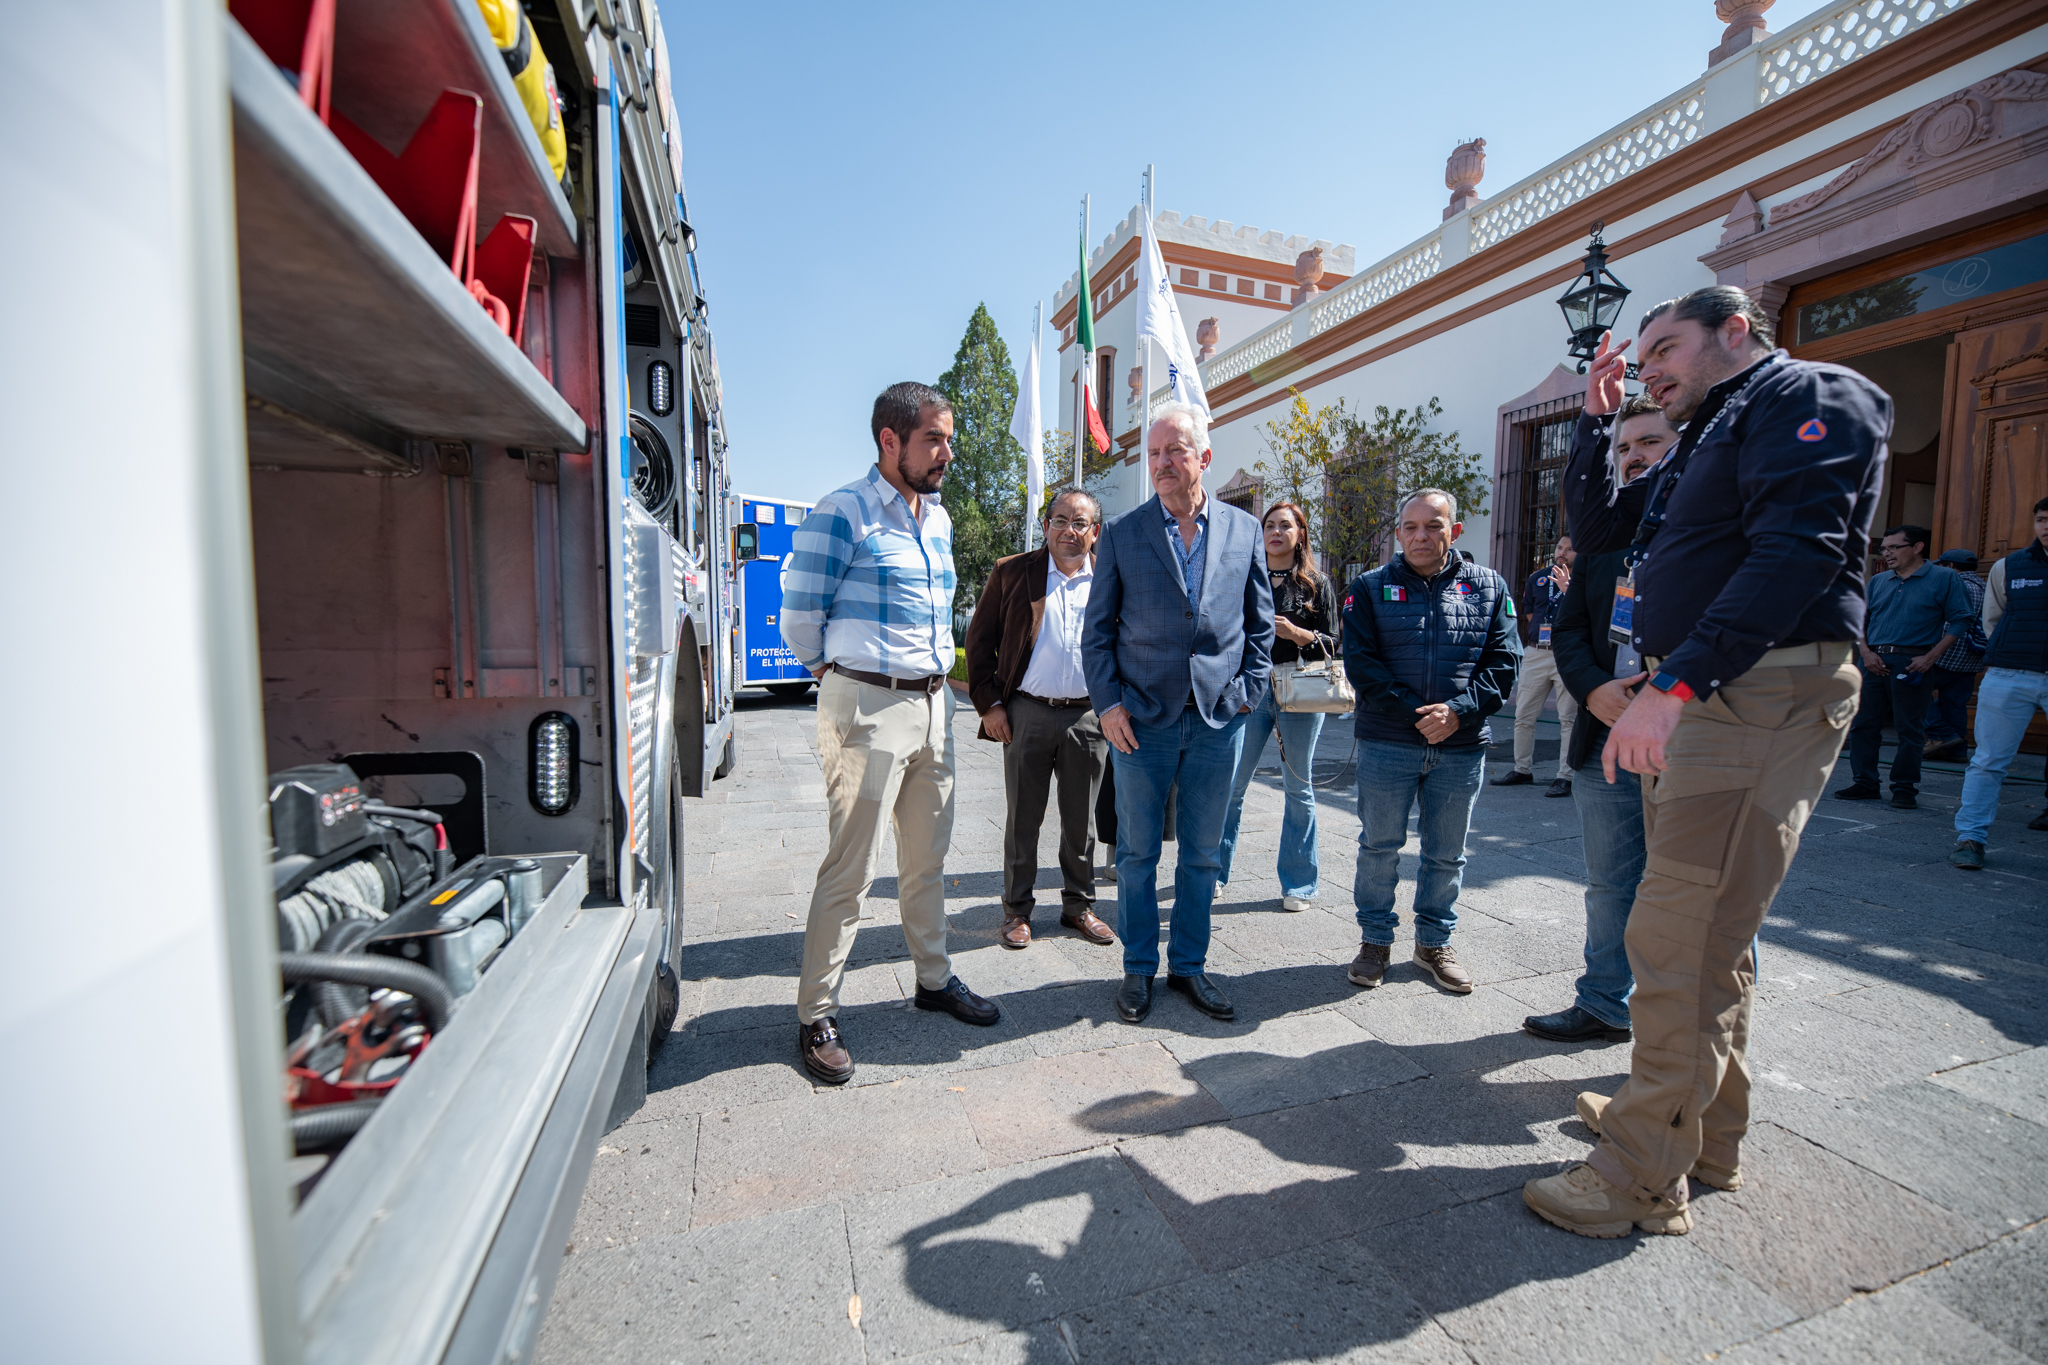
[1621,627]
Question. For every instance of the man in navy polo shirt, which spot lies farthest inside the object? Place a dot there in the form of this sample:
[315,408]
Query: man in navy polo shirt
[1745,600]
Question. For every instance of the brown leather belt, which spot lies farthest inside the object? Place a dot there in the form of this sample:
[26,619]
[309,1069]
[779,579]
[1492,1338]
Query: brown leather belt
[925,685]
[1056,703]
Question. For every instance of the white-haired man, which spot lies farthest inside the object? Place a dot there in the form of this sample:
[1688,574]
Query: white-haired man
[1177,647]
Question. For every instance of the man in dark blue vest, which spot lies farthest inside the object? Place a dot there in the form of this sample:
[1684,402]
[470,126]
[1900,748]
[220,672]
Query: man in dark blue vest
[1430,645]
[2015,684]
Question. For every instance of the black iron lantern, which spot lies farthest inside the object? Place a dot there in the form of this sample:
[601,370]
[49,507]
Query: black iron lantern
[1593,303]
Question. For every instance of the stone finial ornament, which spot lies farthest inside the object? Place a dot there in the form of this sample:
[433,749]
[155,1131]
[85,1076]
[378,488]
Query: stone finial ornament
[1308,271]
[1745,20]
[1463,171]
[1208,332]
[1136,379]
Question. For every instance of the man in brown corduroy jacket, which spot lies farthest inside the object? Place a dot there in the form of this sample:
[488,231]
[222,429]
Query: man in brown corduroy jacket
[1024,677]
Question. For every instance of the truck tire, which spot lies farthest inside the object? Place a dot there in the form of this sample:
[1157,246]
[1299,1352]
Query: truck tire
[795,691]
[666,990]
[730,759]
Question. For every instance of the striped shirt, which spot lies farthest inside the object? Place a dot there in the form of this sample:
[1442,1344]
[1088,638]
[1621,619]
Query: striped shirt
[867,587]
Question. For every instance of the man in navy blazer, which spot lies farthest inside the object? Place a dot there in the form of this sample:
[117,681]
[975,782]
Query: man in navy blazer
[1177,647]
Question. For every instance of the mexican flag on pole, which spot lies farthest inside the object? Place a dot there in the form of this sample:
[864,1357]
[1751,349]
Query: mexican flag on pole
[1084,339]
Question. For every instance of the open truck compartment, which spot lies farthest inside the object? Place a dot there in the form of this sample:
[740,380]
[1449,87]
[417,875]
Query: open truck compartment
[486,502]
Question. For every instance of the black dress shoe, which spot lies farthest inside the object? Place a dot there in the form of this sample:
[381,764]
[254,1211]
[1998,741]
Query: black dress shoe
[1203,995]
[955,999]
[1573,1026]
[1856,791]
[1513,777]
[1134,999]
[1948,749]
[1559,787]
[2039,822]
[1904,800]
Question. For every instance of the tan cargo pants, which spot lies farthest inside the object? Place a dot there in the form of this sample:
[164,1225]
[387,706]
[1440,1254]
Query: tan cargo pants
[1539,674]
[891,753]
[1722,823]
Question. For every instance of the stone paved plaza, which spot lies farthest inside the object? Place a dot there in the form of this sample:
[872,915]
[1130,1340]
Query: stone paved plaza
[1337,1175]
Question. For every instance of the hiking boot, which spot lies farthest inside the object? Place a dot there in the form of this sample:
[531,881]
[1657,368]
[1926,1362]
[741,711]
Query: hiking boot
[1580,1200]
[1968,854]
[1370,965]
[1591,1106]
[1442,963]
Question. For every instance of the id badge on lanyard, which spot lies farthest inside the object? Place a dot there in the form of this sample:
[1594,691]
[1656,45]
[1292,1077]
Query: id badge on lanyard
[1543,634]
[1621,627]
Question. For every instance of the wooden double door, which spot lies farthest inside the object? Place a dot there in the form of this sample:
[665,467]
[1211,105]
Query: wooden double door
[1995,436]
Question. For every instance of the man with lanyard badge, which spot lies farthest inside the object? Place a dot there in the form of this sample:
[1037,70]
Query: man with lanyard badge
[1745,599]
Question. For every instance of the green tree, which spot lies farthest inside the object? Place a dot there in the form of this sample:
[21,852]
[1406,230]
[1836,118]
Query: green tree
[1349,473]
[985,486]
[1381,461]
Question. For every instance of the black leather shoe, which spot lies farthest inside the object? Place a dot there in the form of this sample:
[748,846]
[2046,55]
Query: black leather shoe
[1559,787]
[1953,749]
[2039,822]
[1856,791]
[1573,1025]
[1203,995]
[1134,999]
[1904,800]
[955,999]
[1513,777]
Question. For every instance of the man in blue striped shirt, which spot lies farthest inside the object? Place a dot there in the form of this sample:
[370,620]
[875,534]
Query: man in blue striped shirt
[867,607]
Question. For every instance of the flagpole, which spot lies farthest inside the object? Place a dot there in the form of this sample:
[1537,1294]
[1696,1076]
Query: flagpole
[1087,361]
[1031,513]
[1145,358]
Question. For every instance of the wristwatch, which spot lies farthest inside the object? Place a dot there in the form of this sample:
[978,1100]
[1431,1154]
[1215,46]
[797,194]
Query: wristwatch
[1674,685]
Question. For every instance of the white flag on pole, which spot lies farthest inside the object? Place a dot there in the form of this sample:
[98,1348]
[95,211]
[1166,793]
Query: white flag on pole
[1159,319]
[1026,425]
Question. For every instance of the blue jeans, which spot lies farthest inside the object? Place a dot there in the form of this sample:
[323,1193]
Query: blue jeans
[1949,717]
[1611,820]
[1204,762]
[1298,733]
[1392,778]
[2006,702]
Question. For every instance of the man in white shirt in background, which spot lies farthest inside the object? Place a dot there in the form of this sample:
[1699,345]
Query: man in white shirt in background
[1024,677]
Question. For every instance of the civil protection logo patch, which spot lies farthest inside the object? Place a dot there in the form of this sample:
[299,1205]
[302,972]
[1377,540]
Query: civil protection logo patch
[1813,429]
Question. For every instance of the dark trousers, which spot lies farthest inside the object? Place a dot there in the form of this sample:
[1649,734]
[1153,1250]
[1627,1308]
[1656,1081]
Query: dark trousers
[1890,700]
[1048,741]
[1950,718]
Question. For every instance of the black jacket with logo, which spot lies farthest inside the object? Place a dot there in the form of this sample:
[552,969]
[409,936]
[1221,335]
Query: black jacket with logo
[1411,641]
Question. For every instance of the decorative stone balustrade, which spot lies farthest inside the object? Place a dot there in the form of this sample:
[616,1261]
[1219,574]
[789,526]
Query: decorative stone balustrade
[1808,51]
[1382,282]
[1621,153]
[1830,40]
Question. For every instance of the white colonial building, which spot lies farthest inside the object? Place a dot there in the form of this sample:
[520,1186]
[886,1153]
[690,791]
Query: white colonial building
[1876,175]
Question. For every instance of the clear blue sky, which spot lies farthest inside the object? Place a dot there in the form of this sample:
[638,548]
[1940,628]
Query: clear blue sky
[861,176]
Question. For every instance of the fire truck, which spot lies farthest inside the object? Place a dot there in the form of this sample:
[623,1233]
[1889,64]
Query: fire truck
[370,592]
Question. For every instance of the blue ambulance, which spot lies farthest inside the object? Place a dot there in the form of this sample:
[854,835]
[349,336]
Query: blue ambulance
[761,531]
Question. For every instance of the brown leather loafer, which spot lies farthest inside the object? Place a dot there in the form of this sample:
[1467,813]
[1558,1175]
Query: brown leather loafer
[824,1052]
[1016,931]
[1087,926]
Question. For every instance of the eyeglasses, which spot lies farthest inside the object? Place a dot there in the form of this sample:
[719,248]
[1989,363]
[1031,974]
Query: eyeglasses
[1060,524]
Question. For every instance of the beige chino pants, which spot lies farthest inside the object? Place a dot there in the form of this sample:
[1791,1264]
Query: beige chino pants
[1532,686]
[884,753]
[1722,822]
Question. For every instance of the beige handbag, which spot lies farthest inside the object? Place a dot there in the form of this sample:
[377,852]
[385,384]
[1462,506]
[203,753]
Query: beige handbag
[1319,685]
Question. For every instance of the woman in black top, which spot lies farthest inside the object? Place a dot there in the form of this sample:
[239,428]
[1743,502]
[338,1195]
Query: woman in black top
[1305,622]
